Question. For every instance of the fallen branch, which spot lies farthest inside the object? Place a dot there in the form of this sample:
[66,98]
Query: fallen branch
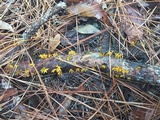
[82,62]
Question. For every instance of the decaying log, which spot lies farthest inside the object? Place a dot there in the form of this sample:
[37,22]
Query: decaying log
[117,67]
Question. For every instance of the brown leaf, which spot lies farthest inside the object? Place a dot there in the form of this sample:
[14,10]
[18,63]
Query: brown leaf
[89,10]
[131,22]
[54,42]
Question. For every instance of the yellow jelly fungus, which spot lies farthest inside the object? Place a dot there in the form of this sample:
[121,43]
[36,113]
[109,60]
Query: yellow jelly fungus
[117,69]
[44,70]
[59,73]
[117,76]
[26,73]
[77,69]
[71,71]
[58,67]
[133,43]
[109,53]
[118,55]
[43,56]
[15,66]
[59,58]
[57,70]
[10,65]
[138,68]
[125,71]
[53,70]
[128,78]
[69,58]
[72,52]
[93,68]
[74,63]
[121,76]
[49,55]
[55,54]
[18,72]
[31,64]
[84,69]
[103,66]
[101,55]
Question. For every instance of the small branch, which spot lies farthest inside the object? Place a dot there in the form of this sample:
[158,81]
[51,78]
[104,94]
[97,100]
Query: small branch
[118,67]
[36,25]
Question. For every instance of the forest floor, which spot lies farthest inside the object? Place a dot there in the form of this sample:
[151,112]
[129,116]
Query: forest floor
[80,59]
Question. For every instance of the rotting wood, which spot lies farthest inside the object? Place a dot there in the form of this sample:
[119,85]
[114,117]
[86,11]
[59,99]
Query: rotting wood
[118,67]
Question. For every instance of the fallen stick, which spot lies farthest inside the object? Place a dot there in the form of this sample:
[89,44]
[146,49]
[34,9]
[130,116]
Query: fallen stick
[82,62]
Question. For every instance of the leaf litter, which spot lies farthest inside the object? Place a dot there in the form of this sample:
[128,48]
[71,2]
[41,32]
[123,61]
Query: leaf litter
[112,73]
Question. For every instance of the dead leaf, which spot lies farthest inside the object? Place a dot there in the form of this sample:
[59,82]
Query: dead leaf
[132,32]
[87,29]
[54,42]
[131,22]
[5,26]
[89,10]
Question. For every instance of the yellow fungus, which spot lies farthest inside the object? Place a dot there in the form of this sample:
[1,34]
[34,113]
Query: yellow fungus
[44,70]
[69,58]
[57,70]
[53,70]
[117,69]
[10,65]
[128,78]
[31,64]
[84,69]
[58,67]
[59,58]
[72,52]
[103,66]
[43,56]
[71,71]
[26,73]
[15,66]
[118,55]
[55,54]
[121,76]
[109,53]
[117,76]
[74,63]
[77,69]
[133,43]
[125,71]
[93,68]
[18,72]
[101,54]
[138,68]
[49,55]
